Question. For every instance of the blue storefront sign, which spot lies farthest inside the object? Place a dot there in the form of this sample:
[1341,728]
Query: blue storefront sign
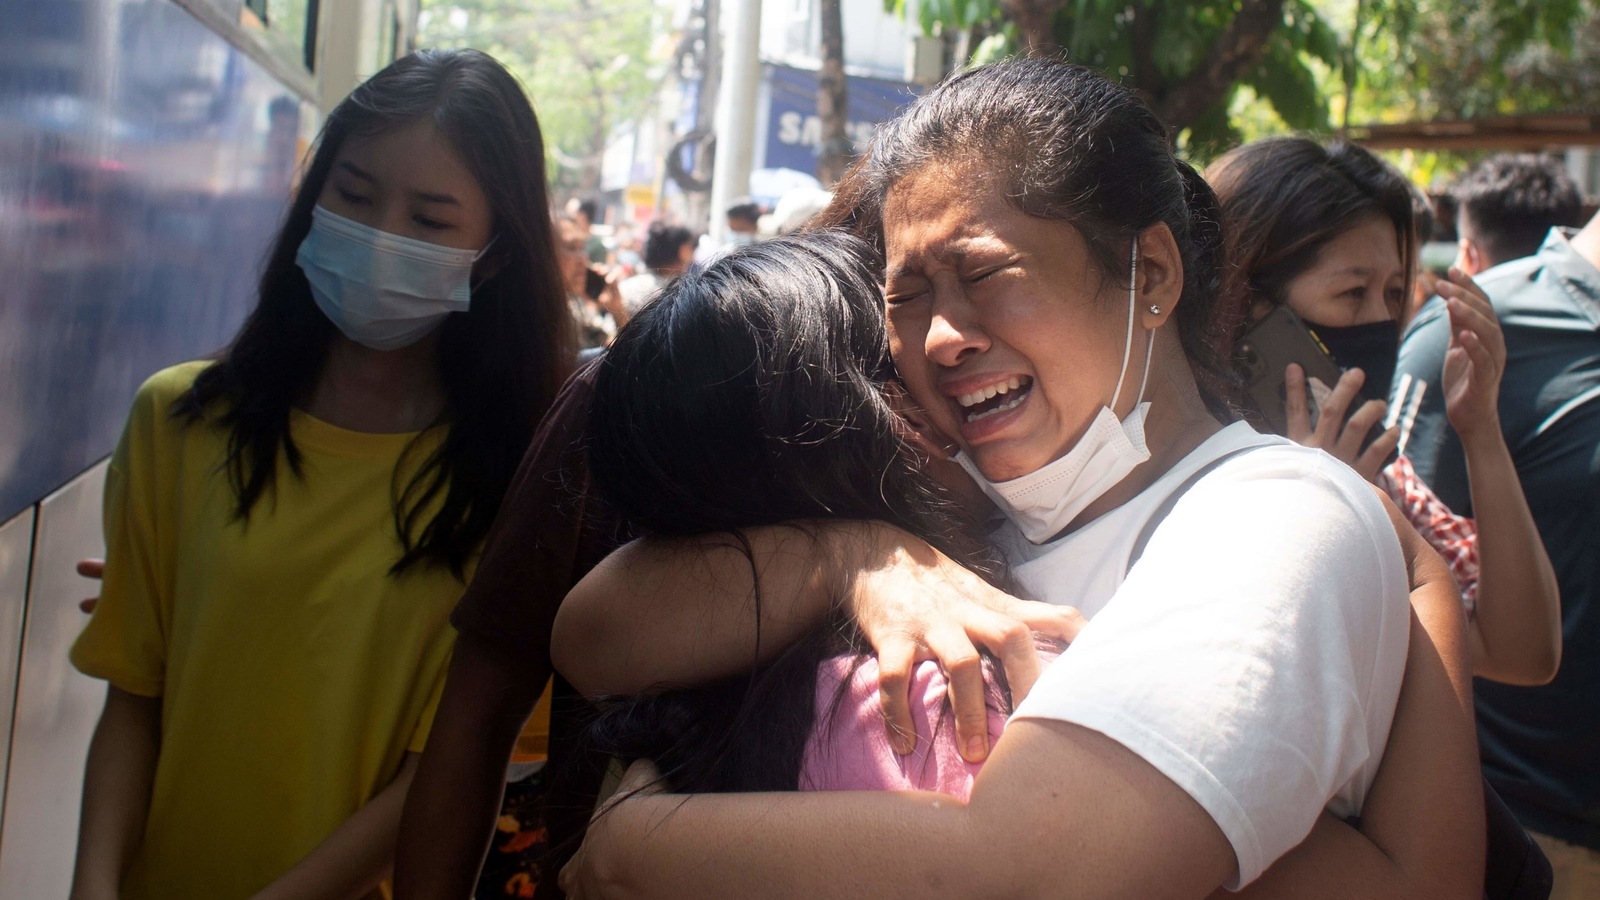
[794,131]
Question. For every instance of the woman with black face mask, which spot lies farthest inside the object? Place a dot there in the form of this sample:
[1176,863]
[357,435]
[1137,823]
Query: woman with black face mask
[1328,232]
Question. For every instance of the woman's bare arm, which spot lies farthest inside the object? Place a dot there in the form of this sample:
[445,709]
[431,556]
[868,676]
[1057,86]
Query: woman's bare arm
[358,855]
[116,792]
[1026,833]
[682,612]
[1516,632]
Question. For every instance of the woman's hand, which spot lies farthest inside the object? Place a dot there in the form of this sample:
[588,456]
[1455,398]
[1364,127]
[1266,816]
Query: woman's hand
[913,603]
[91,568]
[1334,433]
[1476,358]
[579,878]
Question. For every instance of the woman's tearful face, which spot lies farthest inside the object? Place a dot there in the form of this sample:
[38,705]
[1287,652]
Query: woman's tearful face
[1004,329]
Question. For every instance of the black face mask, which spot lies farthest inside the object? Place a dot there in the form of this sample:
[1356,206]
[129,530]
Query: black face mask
[1374,348]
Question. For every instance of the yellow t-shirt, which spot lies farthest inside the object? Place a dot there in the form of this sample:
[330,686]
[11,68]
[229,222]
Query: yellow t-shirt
[294,671]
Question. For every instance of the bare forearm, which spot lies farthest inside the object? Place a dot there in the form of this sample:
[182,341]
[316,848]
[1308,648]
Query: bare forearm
[356,856]
[1516,635]
[118,778]
[454,799]
[1060,811]
[684,611]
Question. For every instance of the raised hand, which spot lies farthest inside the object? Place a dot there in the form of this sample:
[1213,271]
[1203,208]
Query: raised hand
[1476,358]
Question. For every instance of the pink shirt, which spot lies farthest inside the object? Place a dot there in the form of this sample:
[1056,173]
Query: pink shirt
[849,749]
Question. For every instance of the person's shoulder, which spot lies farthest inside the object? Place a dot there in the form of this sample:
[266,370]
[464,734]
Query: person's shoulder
[160,390]
[1511,276]
[1284,477]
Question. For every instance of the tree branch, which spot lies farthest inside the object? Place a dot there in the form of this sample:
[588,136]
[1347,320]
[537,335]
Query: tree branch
[1241,45]
[1035,18]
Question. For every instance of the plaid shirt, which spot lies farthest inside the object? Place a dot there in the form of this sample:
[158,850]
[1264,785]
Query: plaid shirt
[1455,537]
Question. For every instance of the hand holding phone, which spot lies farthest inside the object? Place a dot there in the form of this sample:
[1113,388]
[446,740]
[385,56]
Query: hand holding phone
[1302,394]
[1360,441]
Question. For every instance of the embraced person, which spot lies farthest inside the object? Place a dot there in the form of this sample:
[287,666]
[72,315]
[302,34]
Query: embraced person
[1050,313]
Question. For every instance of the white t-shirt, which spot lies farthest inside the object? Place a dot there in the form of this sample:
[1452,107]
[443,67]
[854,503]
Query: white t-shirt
[1254,653]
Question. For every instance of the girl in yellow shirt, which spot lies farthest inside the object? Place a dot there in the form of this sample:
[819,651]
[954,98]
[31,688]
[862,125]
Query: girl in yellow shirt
[289,526]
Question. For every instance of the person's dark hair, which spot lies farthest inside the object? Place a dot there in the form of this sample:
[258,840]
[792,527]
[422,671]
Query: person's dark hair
[501,363]
[1069,144]
[589,209]
[1283,201]
[752,392]
[662,243]
[745,211]
[1512,200]
[1422,218]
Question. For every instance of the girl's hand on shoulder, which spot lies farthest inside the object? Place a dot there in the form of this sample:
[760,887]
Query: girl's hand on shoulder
[913,603]
[1476,358]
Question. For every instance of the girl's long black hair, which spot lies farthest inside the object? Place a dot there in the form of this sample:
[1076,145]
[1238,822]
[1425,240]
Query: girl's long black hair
[501,363]
[753,392]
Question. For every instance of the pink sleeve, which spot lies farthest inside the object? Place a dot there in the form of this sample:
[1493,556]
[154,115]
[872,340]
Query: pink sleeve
[849,748]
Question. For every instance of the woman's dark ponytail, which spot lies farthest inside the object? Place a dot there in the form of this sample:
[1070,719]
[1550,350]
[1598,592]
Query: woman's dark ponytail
[1207,315]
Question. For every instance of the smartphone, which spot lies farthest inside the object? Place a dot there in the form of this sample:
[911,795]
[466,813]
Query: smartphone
[1268,347]
[594,282]
[1278,339]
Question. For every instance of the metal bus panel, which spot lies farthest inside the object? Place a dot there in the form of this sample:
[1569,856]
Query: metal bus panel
[16,551]
[145,161]
[56,706]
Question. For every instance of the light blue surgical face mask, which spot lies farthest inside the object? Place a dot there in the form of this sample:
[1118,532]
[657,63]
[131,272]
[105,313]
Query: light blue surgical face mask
[382,290]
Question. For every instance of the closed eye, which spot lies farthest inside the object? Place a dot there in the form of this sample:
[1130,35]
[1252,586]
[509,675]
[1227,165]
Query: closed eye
[431,224]
[352,198]
[895,295]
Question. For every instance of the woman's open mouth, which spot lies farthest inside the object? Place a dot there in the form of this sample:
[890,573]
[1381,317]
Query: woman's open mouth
[996,398]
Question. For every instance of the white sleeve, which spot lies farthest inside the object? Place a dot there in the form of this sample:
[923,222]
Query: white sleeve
[1254,654]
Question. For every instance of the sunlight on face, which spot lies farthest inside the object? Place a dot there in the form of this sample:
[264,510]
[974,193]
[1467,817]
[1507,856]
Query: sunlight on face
[1358,278]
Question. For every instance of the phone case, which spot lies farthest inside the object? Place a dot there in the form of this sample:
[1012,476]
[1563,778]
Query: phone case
[1270,345]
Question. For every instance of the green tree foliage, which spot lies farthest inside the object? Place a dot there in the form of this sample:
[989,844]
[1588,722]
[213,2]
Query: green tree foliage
[1438,59]
[1380,59]
[588,65]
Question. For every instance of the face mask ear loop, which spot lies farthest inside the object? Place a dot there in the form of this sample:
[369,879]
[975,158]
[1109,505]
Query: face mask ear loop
[486,247]
[1127,341]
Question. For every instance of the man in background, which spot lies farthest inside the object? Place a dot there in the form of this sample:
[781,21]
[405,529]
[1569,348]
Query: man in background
[585,213]
[1540,745]
[668,251]
[1504,208]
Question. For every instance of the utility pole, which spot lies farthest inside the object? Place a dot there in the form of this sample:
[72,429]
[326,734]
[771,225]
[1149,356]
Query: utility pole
[832,101]
[736,110]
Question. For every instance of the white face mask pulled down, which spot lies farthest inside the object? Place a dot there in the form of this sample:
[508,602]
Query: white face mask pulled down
[1044,502]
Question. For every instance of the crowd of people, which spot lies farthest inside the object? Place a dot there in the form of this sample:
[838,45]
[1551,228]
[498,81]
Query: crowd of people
[933,549]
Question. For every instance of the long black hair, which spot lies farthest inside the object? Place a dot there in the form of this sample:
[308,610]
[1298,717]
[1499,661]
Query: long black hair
[501,363]
[1064,142]
[753,392]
